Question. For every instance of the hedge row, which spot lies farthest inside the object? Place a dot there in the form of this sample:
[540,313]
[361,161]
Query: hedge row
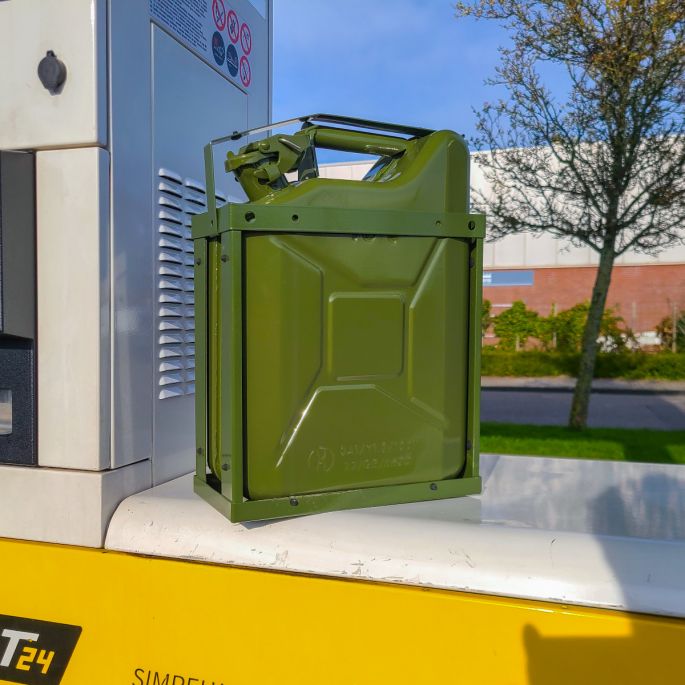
[630,365]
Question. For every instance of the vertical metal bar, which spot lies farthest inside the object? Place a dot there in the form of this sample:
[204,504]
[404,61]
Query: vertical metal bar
[201,359]
[211,184]
[474,338]
[214,333]
[234,243]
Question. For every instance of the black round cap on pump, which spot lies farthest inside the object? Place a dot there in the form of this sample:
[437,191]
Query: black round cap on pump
[52,72]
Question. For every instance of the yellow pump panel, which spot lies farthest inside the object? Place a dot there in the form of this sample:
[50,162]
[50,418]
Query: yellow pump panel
[142,624]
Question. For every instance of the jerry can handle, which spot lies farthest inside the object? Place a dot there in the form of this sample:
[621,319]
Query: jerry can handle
[413,131]
[307,120]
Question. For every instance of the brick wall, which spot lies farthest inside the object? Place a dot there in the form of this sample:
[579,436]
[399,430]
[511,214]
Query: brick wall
[642,294]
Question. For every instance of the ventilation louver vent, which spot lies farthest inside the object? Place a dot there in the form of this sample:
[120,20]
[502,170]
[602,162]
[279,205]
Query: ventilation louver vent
[177,201]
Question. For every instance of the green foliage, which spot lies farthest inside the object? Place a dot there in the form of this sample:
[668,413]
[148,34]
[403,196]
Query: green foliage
[547,334]
[569,325]
[654,366]
[628,365]
[515,325]
[562,332]
[485,316]
[528,363]
[665,330]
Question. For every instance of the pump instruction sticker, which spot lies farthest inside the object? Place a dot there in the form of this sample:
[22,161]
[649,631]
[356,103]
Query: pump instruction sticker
[212,29]
[34,652]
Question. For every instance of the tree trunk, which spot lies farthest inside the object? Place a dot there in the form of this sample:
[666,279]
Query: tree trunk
[588,357]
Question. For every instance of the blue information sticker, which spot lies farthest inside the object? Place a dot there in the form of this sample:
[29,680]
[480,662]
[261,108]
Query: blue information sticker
[218,48]
[232,60]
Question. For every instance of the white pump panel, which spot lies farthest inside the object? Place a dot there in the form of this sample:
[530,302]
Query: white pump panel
[32,117]
[119,174]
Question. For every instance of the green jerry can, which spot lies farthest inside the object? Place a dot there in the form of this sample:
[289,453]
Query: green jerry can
[338,324]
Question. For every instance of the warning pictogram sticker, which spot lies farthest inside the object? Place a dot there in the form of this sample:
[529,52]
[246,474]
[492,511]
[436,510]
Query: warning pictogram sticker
[245,38]
[245,71]
[233,26]
[219,14]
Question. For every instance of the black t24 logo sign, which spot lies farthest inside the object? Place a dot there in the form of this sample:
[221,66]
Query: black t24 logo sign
[35,652]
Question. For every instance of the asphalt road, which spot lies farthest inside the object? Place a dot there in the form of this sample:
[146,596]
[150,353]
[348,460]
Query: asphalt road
[607,409]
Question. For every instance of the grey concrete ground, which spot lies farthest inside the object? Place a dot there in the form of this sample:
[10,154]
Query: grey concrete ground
[614,404]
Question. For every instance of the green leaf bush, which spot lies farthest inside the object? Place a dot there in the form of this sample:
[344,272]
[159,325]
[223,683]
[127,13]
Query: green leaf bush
[625,364]
[515,325]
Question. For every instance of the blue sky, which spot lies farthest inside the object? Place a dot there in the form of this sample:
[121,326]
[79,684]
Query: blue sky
[402,61]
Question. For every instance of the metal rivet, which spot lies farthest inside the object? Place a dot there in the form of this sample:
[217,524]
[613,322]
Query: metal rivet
[249,216]
[469,444]
[295,217]
[200,450]
[472,225]
[434,486]
[198,261]
[224,467]
[224,257]
[293,502]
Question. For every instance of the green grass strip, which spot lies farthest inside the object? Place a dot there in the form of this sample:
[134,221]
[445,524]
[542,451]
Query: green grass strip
[619,444]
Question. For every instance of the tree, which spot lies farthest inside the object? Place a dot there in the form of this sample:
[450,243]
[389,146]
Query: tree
[515,325]
[602,165]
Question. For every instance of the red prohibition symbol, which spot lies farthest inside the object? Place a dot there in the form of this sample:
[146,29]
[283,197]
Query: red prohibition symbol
[233,26]
[245,71]
[219,14]
[245,38]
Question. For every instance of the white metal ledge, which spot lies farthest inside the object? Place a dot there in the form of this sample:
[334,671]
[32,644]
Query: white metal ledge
[602,534]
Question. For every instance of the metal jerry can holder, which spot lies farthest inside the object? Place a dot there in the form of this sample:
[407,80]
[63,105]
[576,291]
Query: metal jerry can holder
[338,324]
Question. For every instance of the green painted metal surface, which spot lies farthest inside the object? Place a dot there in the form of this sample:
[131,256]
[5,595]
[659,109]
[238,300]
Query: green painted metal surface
[338,357]
[356,361]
